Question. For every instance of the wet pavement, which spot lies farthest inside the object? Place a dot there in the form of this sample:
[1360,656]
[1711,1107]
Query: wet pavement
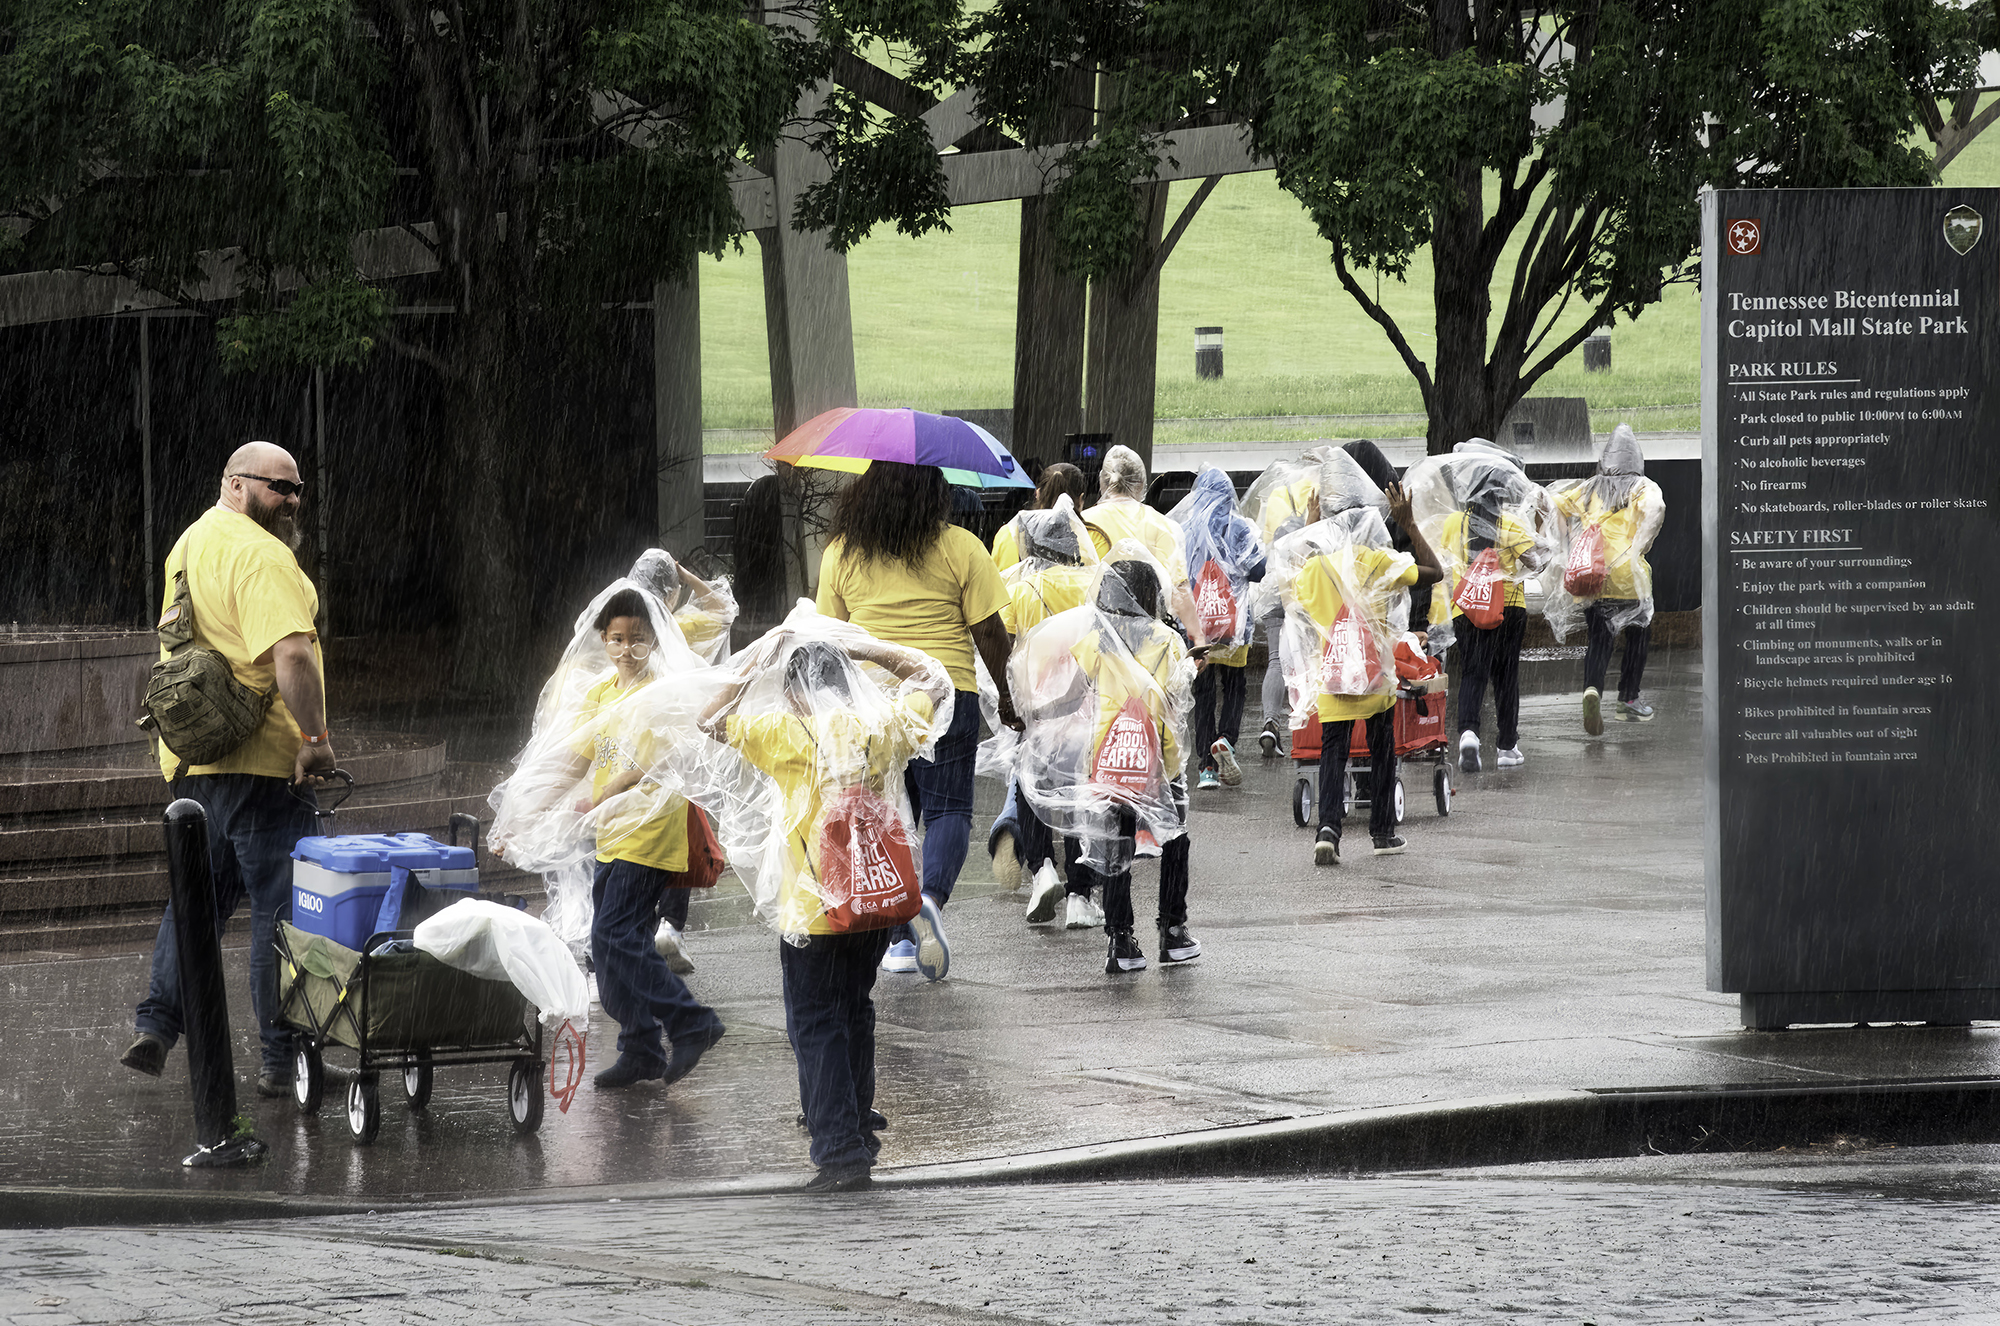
[1548,934]
[1819,1238]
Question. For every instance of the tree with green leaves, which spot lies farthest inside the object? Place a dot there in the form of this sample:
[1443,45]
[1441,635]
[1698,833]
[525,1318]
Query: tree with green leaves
[523,165]
[1554,151]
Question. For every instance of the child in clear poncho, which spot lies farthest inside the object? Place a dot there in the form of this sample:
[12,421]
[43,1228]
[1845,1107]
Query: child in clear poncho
[1605,524]
[1055,571]
[703,610]
[1102,755]
[1493,528]
[1344,590]
[1059,480]
[1121,512]
[1278,502]
[817,726]
[1224,558]
[593,787]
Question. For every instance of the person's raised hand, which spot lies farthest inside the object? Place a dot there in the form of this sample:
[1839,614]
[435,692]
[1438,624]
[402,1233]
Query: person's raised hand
[1399,505]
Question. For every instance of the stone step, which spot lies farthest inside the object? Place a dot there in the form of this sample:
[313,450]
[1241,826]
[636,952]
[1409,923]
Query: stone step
[46,794]
[128,840]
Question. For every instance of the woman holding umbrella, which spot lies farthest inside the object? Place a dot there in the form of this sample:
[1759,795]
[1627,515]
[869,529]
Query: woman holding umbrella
[898,568]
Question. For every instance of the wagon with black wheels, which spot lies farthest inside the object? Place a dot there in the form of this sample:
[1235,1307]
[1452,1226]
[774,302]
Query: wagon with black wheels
[402,1012]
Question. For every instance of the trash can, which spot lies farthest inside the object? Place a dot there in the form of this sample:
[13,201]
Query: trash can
[1597,352]
[1208,352]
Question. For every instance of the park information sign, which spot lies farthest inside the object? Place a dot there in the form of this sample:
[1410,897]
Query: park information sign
[1851,484]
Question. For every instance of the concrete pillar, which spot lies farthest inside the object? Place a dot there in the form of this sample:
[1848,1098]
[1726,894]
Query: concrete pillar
[1124,338]
[1048,340]
[677,410]
[807,322]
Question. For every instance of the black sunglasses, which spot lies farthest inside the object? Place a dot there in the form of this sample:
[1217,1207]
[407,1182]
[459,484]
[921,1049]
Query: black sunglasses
[282,487]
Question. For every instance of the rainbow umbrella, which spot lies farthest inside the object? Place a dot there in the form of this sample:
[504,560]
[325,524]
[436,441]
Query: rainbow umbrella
[851,439]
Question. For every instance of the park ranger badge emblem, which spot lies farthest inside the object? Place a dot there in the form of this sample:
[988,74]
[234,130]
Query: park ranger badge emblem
[1961,228]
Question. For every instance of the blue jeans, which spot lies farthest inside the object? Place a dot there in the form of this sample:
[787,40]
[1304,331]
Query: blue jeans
[254,822]
[635,985]
[940,792]
[1235,682]
[830,1020]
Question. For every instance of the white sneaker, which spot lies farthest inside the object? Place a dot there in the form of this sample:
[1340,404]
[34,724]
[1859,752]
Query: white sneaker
[1006,863]
[1046,895]
[1468,751]
[902,956]
[1512,759]
[667,943]
[1083,913]
[1225,762]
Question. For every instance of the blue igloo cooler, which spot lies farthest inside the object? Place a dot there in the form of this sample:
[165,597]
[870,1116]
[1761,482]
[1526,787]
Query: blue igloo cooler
[338,883]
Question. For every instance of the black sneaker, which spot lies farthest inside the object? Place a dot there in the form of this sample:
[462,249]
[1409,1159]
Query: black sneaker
[1326,848]
[1177,945]
[841,1178]
[146,1054]
[1125,955]
[687,1052]
[274,1082]
[629,1071]
[1390,845]
[1269,739]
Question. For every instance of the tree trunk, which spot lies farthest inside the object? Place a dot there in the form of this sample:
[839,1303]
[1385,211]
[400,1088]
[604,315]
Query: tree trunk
[488,504]
[1124,339]
[1463,404]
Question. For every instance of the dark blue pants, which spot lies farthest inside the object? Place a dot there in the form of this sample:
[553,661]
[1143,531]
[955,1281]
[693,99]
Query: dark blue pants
[1235,681]
[1597,653]
[1335,738]
[830,1019]
[940,791]
[1116,897]
[254,822]
[634,983]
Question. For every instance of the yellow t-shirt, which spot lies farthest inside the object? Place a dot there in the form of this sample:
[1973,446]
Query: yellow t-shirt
[1383,572]
[1033,599]
[703,632]
[1283,503]
[790,747]
[1007,545]
[248,593]
[931,606]
[1514,541]
[615,739]
[1625,567]
[1145,526]
[1117,681]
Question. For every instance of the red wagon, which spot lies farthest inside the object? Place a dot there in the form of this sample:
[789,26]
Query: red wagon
[1422,733]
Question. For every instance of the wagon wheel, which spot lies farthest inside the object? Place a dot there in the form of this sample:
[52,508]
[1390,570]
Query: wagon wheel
[1441,789]
[1302,802]
[1399,798]
[524,1095]
[364,1108]
[308,1075]
[417,1079]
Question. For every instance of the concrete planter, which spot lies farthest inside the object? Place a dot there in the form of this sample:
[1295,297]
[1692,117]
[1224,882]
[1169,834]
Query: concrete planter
[81,689]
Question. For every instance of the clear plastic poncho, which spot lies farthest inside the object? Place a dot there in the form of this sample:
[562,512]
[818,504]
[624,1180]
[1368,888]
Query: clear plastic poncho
[1223,552]
[1105,691]
[1340,583]
[1474,499]
[1056,572]
[704,610]
[1279,500]
[801,764]
[597,772]
[1604,526]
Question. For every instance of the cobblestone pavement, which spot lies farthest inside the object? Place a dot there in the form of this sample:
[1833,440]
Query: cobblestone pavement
[1846,1238]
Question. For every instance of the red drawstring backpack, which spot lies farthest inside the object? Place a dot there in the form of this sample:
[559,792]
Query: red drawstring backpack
[1215,605]
[1349,664]
[1481,593]
[1583,574]
[1129,759]
[867,871]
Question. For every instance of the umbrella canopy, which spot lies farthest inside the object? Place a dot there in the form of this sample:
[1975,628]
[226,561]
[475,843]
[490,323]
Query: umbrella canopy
[851,439]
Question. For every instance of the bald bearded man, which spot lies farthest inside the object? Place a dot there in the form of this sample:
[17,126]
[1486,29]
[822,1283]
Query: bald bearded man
[254,606]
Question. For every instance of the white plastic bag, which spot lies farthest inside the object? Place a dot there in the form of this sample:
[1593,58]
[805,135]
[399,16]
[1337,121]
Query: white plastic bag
[506,944]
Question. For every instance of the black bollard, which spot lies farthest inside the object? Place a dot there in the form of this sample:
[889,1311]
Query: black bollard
[204,996]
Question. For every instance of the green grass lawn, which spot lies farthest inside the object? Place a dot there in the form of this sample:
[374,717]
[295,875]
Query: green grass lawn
[934,323]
